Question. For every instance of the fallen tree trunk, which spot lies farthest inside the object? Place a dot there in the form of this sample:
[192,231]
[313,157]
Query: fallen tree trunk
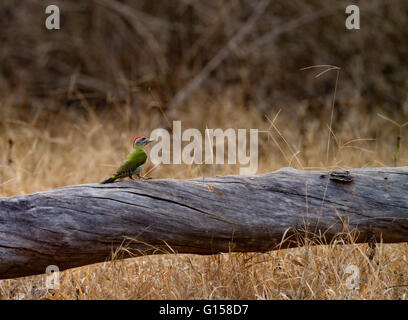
[79,225]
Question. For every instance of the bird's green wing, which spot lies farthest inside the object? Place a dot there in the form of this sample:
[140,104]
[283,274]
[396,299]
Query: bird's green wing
[135,159]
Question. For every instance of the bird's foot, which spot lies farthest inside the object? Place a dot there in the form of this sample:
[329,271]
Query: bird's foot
[144,178]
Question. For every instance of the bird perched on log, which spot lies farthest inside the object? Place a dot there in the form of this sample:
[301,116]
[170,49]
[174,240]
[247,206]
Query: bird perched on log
[134,161]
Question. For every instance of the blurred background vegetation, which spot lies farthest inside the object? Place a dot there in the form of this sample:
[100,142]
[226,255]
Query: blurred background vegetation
[120,68]
[124,50]
[71,101]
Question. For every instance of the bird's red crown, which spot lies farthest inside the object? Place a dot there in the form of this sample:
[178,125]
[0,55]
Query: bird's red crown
[134,140]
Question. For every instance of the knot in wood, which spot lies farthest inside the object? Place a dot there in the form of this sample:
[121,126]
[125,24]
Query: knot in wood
[341,176]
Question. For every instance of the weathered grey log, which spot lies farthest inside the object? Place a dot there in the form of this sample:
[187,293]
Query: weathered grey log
[79,225]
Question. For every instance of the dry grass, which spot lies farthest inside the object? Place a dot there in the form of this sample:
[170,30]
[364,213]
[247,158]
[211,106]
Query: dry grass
[46,148]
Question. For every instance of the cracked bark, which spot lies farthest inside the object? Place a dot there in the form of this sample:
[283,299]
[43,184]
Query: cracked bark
[79,225]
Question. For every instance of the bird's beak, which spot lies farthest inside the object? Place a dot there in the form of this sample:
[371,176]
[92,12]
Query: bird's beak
[150,140]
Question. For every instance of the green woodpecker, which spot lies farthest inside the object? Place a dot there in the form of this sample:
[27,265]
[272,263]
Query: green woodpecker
[134,161]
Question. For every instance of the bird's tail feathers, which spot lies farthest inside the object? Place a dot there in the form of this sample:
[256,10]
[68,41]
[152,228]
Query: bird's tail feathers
[109,180]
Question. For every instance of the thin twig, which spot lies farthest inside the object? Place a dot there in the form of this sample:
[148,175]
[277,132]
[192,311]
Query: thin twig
[186,92]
